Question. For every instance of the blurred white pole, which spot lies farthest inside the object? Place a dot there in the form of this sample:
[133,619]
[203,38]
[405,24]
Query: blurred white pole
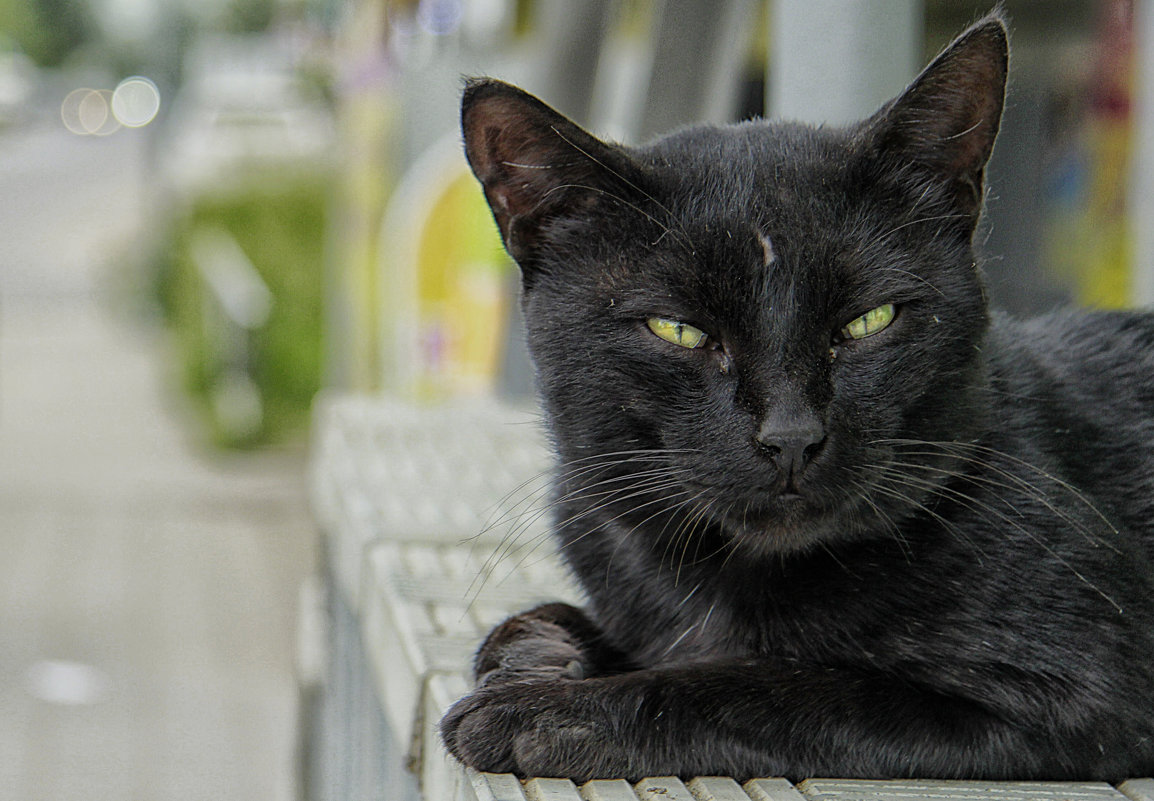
[836,61]
[1141,191]
[698,51]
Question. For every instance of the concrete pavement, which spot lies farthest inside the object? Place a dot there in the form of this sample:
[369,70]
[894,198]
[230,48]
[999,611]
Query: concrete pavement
[148,591]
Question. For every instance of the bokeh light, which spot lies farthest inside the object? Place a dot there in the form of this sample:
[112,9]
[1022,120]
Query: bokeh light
[98,112]
[135,102]
[88,112]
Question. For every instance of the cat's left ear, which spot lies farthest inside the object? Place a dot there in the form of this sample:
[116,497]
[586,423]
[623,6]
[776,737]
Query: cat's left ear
[947,119]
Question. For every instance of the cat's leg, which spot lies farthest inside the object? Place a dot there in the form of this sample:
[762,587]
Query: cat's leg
[749,719]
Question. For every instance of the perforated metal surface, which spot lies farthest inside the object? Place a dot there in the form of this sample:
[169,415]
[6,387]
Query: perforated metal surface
[424,614]
[842,790]
[455,474]
[490,787]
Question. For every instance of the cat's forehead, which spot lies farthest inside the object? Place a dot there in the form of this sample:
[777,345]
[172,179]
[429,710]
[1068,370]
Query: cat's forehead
[755,156]
[771,216]
[763,178]
[768,189]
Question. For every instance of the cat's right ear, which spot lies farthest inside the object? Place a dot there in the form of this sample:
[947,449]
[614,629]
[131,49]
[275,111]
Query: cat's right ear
[535,165]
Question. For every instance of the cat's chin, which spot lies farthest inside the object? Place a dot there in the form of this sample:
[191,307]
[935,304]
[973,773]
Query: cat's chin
[788,523]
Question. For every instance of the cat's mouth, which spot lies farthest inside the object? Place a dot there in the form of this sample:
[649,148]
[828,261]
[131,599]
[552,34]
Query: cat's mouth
[781,518]
[790,496]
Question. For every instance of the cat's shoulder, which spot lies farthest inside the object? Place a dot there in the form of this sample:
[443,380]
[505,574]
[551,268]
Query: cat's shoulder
[1079,331]
[1094,349]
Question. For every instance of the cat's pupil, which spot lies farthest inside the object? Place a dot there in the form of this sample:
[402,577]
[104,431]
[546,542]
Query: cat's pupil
[870,323]
[676,332]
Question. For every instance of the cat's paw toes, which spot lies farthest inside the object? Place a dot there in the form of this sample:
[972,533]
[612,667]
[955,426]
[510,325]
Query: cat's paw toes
[573,670]
[480,733]
[522,728]
[553,748]
[527,645]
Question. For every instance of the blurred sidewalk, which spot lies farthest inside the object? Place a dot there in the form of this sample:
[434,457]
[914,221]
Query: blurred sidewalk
[147,593]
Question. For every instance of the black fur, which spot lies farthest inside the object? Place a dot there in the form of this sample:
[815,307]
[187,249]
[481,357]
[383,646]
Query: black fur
[922,553]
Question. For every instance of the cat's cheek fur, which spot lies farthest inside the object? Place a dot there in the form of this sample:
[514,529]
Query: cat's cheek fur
[596,376]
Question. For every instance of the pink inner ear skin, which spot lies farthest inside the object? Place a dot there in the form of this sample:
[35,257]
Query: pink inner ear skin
[534,164]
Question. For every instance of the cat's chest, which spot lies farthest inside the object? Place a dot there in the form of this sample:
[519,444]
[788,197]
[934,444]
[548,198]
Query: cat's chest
[724,618]
[826,614]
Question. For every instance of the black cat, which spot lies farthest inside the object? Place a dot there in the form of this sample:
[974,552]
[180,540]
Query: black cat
[832,518]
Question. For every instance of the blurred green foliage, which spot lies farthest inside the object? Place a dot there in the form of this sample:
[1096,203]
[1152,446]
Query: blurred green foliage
[249,16]
[48,31]
[279,223]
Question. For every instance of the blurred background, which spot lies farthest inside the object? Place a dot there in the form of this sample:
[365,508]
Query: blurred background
[212,211]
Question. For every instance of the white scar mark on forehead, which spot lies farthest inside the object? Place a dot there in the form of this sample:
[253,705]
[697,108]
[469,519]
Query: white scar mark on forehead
[766,247]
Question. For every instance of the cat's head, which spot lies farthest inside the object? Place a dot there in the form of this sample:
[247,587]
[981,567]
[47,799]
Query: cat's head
[761,313]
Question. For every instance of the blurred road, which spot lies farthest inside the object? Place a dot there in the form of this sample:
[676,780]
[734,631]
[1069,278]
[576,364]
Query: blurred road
[148,593]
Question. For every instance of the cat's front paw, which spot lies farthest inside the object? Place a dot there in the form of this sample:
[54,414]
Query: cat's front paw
[535,644]
[530,727]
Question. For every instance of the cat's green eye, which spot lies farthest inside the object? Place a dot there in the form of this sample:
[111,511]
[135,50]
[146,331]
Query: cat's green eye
[870,323]
[681,334]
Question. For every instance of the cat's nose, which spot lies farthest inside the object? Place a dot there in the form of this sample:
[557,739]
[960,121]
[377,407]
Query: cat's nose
[792,447]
